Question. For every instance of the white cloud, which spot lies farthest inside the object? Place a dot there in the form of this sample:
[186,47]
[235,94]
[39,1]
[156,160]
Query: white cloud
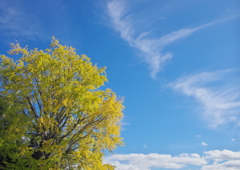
[198,136]
[204,144]
[143,162]
[212,160]
[123,23]
[216,91]
[229,165]
[233,140]
[223,160]
[121,166]
[222,155]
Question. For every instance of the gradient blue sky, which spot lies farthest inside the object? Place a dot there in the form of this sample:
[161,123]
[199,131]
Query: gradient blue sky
[176,63]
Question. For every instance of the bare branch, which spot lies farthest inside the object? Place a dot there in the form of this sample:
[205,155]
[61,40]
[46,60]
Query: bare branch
[32,108]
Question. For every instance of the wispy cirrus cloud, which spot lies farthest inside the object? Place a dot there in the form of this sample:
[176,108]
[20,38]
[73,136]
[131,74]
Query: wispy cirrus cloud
[41,21]
[16,23]
[217,92]
[123,23]
[214,160]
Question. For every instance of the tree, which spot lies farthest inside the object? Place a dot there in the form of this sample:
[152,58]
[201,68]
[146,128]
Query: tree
[57,115]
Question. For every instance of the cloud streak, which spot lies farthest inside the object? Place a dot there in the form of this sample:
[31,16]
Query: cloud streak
[217,93]
[150,47]
[214,160]
[15,22]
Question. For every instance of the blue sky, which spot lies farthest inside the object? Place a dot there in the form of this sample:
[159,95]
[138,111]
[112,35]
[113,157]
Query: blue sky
[176,63]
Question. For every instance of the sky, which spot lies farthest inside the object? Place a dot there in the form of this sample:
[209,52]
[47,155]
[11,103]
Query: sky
[175,62]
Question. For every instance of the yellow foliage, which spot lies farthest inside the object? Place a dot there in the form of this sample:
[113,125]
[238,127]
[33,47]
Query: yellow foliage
[55,105]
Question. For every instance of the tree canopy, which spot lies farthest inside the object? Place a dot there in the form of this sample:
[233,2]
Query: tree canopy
[53,113]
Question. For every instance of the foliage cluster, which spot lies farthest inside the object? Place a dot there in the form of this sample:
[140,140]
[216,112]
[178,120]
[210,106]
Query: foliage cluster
[53,113]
